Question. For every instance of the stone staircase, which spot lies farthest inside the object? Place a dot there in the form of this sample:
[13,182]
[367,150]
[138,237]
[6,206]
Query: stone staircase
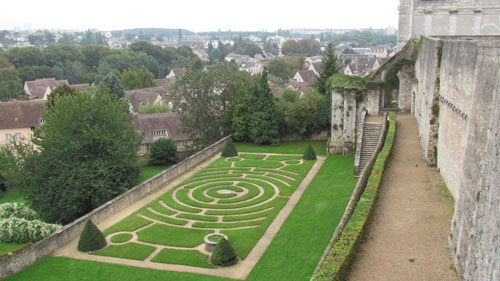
[371,135]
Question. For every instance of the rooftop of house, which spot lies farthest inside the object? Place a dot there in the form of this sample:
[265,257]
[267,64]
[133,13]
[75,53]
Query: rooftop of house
[139,96]
[39,86]
[179,71]
[21,114]
[164,82]
[147,123]
[80,87]
[308,76]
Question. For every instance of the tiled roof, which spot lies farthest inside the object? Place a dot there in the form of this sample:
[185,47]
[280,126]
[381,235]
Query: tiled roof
[39,86]
[139,96]
[21,114]
[147,123]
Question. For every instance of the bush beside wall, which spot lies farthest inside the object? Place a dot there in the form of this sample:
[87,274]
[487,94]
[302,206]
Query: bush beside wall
[341,256]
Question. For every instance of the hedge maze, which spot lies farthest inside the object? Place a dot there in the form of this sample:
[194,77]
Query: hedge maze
[237,196]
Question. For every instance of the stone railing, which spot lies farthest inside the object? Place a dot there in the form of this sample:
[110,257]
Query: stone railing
[359,144]
[17,260]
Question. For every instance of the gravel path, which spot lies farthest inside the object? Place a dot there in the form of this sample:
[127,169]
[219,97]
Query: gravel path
[408,237]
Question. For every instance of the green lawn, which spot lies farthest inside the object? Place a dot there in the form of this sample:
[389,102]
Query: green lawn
[293,147]
[148,172]
[7,247]
[292,255]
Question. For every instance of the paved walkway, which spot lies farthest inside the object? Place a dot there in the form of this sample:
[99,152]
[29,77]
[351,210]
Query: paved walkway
[408,237]
[238,271]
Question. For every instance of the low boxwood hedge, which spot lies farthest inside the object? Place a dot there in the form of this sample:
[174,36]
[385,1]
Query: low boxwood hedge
[341,255]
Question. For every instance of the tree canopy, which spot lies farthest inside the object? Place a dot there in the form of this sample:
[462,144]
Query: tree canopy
[85,156]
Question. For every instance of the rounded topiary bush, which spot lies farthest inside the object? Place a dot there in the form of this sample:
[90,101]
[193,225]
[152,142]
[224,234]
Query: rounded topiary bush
[163,151]
[17,210]
[229,150]
[224,254]
[18,230]
[91,238]
[309,154]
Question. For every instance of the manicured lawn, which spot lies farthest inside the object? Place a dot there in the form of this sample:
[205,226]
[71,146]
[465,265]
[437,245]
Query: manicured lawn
[193,258]
[133,251]
[292,255]
[217,187]
[293,147]
[148,172]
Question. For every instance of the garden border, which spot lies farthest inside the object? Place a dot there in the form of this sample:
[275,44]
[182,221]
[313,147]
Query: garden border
[339,254]
[17,260]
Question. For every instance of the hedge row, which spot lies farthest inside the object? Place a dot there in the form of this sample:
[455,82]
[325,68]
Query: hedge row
[342,253]
[17,210]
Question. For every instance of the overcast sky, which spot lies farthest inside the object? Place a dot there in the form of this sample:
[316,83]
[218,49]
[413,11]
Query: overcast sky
[208,15]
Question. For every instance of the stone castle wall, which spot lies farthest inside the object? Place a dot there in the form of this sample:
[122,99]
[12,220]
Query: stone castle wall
[447,17]
[458,85]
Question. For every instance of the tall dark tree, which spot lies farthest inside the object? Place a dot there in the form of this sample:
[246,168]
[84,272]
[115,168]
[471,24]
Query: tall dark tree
[264,115]
[59,92]
[328,68]
[86,156]
[241,116]
[113,85]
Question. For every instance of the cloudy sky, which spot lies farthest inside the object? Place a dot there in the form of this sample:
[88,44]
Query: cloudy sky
[198,15]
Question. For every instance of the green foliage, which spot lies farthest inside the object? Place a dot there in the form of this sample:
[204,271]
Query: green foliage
[309,154]
[307,47]
[241,116]
[91,238]
[163,151]
[59,91]
[17,210]
[229,150]
[19,230]
[285,67]
[391,76]
[224,254]
[264,114]
[10,84]
[114,86]
[207,112]
[329,66]
[306,115]
[341,255]
[343,82]
[142,78]
[86,156]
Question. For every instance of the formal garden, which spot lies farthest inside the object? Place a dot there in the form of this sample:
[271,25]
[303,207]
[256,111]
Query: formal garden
[237,196]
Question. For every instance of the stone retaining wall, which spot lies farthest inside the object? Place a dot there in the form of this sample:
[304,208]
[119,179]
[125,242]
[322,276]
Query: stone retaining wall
[17,260]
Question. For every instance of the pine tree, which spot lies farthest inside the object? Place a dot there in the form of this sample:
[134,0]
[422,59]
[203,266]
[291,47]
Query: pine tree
[328,68]
[264,114]
[241,116]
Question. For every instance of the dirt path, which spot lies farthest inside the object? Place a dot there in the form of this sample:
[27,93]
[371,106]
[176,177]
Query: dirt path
[408,237]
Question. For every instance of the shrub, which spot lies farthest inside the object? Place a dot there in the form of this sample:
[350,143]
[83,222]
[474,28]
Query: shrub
[18,230]
[309,154]
[229,150]
[224,254]
[17,210]
[91,238]
[163,151]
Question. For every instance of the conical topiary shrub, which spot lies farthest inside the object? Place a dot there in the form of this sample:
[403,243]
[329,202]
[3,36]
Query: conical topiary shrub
[91,238]
[309,154]
[229,150]
[224,254]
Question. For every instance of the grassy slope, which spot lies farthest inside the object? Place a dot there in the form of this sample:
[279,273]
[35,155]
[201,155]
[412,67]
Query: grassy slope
[148,172]
[292,255]
[294,147]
